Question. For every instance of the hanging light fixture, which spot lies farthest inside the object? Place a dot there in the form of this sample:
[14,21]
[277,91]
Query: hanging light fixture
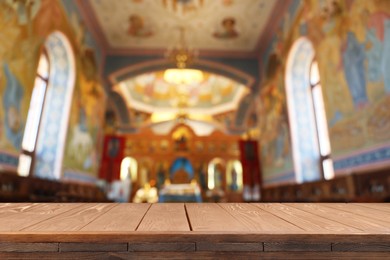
[182,56]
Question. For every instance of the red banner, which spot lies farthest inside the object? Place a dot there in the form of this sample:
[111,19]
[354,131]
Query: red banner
[251,169]
[112,158]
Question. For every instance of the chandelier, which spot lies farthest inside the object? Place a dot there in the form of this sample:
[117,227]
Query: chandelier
[182,57]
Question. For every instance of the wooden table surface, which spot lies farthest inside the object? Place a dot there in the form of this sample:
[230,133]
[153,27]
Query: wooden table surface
[185,230]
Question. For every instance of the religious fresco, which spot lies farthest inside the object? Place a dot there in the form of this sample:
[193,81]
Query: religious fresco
[151,92]
[139,118]
[353,57]
[24,30]
[88,107]
[228,25]
[137,27]
[12,108]
[227,29]
[226,119]
[274,135]
[18,61]
[352,44]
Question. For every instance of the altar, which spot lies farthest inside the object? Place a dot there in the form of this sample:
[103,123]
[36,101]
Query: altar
[185,192]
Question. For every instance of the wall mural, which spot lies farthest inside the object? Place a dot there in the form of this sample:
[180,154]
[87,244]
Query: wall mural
[352,42]
[85,131]
[23,32]
[353,57]
[18,61]
[12,98]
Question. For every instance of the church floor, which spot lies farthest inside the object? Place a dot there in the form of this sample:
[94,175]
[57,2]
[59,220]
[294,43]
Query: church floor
[193,231]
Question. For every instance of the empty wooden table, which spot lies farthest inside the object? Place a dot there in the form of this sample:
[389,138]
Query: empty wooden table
[190,230]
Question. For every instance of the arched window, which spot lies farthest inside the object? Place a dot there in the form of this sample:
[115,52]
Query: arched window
[48,116]
[309,128]
[26,158]
[234,177]
[129,169]
[326,162]
[216,174]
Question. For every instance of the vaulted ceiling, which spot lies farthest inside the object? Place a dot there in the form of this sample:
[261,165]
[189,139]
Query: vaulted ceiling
[228,34]
[152,25]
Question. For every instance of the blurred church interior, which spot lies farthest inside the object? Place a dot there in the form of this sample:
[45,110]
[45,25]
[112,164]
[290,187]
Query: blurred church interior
[194,100]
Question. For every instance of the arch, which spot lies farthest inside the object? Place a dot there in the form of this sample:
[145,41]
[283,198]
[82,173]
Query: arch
[302,111]
[181,163]
[129,168]
[216,179]
[234,175]
[162,64]
[55,114]
[116,101]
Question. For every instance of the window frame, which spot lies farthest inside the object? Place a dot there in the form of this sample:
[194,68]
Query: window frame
[323,157]
[24,151]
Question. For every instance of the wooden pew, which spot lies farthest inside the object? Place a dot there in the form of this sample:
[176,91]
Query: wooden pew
[14,188]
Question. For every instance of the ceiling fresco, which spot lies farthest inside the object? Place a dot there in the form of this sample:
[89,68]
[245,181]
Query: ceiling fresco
[150,93]
[223,25]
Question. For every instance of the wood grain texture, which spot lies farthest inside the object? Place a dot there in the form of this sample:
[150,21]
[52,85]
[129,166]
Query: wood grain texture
[11,208]
[378,206]
[259,220]
[165,217]
[24,216]
[235,247]
[212,217]
[296,247]
[361,247]
[28,247]
[199,255]
[238,230]
[362,223]
[162,247]
[363,209]
[122,217]
[72,220]
[307,221]
[93,247]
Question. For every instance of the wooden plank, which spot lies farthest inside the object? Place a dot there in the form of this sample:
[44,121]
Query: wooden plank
[15,208]
[359,222]
[72,220]
[362,210]
[377,206]
[296,247]
[212,217]
[227,246]
[198,255]
[361,247]
[165,217]
[93,247]
[259,220]
[31,215]
[162,247]
[122,217]
[28,247]
[307,221]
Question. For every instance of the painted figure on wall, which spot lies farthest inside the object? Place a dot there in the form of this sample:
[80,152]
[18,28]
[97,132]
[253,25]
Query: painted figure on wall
[25,11]
[378,40]
[353,64]
[12,106]
[183,7]
[273,116]
[329,42]
[228,29]
[137,27]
